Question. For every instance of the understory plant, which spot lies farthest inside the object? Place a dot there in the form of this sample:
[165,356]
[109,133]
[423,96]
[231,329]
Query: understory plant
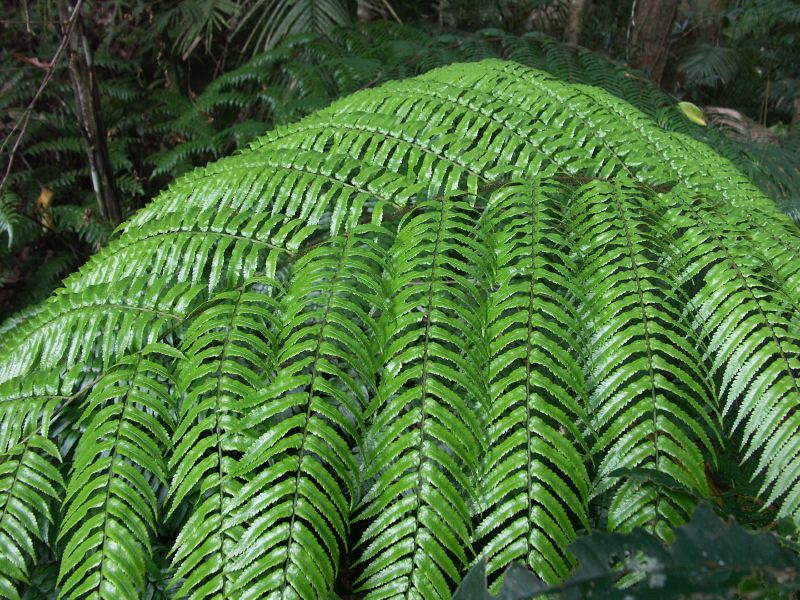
[467,315]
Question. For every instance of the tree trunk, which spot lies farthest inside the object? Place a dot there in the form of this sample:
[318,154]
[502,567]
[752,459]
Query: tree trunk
[87,110]
[650,32]
[710,25]
[572,32]
[364,11]
[375,10]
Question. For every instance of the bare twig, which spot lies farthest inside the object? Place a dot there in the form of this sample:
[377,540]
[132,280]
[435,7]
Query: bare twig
[22,124]
[391,10]
[27,16]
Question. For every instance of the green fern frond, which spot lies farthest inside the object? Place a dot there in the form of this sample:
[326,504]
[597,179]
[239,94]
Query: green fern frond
[302,476]
[228,352]
[651,401]
[747,307]
[29,482]
[110,505]
[97,324]
[422,440]
[30,478]
[28,404]
[534,484]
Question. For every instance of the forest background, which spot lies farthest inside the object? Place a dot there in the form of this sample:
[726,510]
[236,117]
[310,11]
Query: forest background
[102,104]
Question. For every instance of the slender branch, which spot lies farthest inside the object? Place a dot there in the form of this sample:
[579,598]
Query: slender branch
[27,16]
[631,25]
[391,10]
[22,124]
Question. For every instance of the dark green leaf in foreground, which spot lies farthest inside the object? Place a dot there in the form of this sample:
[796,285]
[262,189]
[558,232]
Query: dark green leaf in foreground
[710,558]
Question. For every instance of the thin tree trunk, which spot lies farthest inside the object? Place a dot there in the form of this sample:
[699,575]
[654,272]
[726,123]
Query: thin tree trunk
[572,32]
[711,23]
[796,115]
[364,11]
[650,32]
[373,10]
[87,109]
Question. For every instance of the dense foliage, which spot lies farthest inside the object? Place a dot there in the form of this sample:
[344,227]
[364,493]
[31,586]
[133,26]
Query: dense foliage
[159,130]
[708,558]
[450,317]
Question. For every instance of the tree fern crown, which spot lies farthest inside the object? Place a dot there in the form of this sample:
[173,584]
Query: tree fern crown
[467,315]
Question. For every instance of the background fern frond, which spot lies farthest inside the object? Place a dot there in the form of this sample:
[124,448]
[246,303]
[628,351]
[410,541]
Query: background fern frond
[9,216]
[272,20]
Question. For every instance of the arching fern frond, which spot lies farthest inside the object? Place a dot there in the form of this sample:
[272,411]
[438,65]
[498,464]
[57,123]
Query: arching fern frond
[98,324]
[651,400]
[27,404]
[111,510]
[534,482]
[29,483]
[422,442]
[749,314]
[228,350]
[302,475]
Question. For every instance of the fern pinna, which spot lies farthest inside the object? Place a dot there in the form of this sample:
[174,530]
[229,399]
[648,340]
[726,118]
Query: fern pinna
[471,314]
